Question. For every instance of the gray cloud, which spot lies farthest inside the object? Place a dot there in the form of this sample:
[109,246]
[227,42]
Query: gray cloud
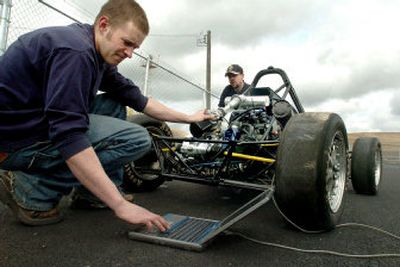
[377,74]
[235,24]
[342,36]
[238,25]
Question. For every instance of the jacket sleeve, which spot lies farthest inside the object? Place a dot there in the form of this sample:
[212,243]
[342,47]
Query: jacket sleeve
[222,98]
[123,90]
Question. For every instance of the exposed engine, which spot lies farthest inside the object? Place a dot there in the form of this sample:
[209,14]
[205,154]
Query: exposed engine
[244,118]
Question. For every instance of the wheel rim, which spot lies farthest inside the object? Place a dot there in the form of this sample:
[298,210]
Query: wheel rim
[336,172]
[150,177]
[378,164]
[153,165]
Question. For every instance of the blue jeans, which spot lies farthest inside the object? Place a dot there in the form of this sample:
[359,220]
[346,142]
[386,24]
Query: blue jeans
[42,176]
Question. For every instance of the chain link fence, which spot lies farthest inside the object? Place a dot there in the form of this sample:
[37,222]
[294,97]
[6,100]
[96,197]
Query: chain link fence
[165,84]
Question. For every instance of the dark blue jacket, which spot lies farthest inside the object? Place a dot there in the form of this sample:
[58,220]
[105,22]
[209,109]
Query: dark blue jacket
[48,79]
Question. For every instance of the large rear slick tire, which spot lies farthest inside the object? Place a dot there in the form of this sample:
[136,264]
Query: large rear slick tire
[311,170]
[134,179]
[366,165]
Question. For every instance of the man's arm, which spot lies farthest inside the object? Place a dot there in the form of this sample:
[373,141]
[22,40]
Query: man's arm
[221,103]
[87,168]
[159,111]
[126,92]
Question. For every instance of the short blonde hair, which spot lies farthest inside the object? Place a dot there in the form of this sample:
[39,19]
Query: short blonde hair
[121,11]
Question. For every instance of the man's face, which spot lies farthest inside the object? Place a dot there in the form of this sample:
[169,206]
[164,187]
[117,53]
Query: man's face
[235,80]
[115,43]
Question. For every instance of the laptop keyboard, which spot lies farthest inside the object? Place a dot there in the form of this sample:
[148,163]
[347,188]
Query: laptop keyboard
[190,229]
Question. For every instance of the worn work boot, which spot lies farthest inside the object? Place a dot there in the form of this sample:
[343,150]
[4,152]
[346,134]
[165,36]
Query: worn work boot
[79,202]
[25,216]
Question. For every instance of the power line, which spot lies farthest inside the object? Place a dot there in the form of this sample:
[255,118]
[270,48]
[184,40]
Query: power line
[58,10]
[81,9]
[174,35]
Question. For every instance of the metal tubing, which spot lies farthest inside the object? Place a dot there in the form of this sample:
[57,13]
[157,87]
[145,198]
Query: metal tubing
[287,84]
[239,184]
[173,139]
[255,158]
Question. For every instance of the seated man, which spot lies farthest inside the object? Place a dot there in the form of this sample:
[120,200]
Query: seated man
[236,83]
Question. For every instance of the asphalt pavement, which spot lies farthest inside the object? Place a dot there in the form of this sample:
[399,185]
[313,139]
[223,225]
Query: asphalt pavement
[98,238]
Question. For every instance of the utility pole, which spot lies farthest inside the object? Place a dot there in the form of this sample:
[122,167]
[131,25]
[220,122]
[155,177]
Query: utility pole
[208,71]
[148,66]
[205,40]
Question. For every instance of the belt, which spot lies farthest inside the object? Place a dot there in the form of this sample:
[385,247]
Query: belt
[3,156]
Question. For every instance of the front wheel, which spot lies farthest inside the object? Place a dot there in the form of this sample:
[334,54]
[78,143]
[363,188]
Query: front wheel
[311,170]
[366,165]
[134,179]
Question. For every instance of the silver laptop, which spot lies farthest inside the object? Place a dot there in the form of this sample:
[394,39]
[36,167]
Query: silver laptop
[196,233]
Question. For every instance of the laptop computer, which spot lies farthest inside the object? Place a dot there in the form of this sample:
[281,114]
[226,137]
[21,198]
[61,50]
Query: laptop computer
[194,233]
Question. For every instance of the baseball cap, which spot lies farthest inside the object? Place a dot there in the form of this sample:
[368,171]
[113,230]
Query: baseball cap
[234,69]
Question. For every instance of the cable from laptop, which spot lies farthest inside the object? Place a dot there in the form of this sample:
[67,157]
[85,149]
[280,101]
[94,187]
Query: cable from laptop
[319,251]
[314,251]
[337,226]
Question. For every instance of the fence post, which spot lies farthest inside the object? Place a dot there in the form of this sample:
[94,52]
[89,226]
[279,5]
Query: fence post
[4,23]
[146,76]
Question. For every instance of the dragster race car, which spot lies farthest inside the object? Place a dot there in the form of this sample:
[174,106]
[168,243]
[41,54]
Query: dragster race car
[264,140]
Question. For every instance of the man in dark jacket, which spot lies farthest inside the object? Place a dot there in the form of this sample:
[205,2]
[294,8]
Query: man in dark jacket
[57,133]
[236,83]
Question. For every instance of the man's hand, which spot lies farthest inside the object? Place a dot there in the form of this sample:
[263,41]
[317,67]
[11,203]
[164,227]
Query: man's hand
[135,214]
[88,170]
[202,115]
[161,112]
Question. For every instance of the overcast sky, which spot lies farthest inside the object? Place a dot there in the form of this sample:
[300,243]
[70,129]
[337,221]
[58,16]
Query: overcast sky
[341,56]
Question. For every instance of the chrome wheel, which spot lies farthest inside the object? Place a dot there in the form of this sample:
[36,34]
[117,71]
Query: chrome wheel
[378,166]
[366,165]
[336,172]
